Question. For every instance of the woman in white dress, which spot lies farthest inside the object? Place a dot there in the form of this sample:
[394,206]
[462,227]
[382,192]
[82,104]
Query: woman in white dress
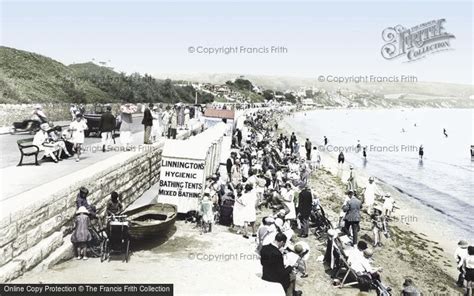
[156,128]
[126,127]
[288,195]
[238,213]
[77,129]
[249,199]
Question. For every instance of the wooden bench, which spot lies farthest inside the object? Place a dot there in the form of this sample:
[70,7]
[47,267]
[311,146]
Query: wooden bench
[27,148]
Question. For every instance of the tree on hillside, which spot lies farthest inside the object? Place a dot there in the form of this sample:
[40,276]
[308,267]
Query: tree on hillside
[268,94]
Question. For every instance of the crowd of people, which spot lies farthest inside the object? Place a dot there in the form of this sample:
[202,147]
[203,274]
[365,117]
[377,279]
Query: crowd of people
[264,195]
[267,176]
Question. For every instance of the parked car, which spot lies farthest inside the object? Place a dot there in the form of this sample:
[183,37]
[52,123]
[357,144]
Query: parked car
[93,120]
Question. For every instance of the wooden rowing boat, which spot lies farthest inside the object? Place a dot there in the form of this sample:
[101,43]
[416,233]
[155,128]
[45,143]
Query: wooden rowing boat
[149,221]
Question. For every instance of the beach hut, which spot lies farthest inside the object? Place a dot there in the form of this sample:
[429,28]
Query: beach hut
[185,165]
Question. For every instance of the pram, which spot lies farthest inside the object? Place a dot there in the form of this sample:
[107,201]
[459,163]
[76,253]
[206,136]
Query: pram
[118,240]
[319,220]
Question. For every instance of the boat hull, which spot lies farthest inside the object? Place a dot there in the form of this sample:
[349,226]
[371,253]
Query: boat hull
[151,221]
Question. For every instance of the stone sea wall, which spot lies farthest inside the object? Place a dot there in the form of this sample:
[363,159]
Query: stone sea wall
[37,236]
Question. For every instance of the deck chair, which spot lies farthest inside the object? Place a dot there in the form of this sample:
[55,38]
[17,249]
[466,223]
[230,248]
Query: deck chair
[347,269]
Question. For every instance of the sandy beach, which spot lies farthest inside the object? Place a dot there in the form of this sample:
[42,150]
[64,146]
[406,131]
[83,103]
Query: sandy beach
[418,247]
[196,262]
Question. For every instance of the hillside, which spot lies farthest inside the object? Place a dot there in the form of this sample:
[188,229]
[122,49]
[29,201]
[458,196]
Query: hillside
[27,77]
[419,94]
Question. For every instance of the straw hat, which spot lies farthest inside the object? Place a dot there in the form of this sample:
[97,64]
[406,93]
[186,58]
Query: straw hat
[82,210]
[38,106]
[378,208]
[368,253]
[44,126]
[207,191]
[463,244]
[371,178]
[281,213]
[298,249]
[269,220]
[333,232]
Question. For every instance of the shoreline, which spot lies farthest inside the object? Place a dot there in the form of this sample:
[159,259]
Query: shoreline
[413,226]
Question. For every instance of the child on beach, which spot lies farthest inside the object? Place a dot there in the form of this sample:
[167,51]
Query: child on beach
[205,210]
[81,234]
[388,205]
[379,226]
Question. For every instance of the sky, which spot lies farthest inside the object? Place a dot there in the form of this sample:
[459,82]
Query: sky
[340,38]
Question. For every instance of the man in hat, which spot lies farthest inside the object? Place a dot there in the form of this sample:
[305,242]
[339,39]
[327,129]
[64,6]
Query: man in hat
[369,192]
[147,121]
[273,268]
[266,232]
[106,126]
[459,255]
[352,216]
[305,200]
[41,140]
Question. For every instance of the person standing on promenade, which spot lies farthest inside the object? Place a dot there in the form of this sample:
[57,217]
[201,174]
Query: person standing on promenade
[352,217]
[147,121]
[173,124]
[77,129]
[305,201]
[421,152]
[308,146]
[186,117]
[166,122]
[106,126]
[126,127]
[325,141]
[156,128]
[73,110]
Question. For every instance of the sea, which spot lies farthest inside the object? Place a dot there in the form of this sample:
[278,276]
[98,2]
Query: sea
[443,180]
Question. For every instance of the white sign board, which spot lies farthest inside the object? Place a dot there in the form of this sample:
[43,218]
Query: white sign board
[181,182]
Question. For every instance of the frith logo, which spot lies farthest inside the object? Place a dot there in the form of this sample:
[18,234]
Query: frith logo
[417,42]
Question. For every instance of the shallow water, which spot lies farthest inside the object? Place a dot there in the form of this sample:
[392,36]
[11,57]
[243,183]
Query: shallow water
[443,180]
